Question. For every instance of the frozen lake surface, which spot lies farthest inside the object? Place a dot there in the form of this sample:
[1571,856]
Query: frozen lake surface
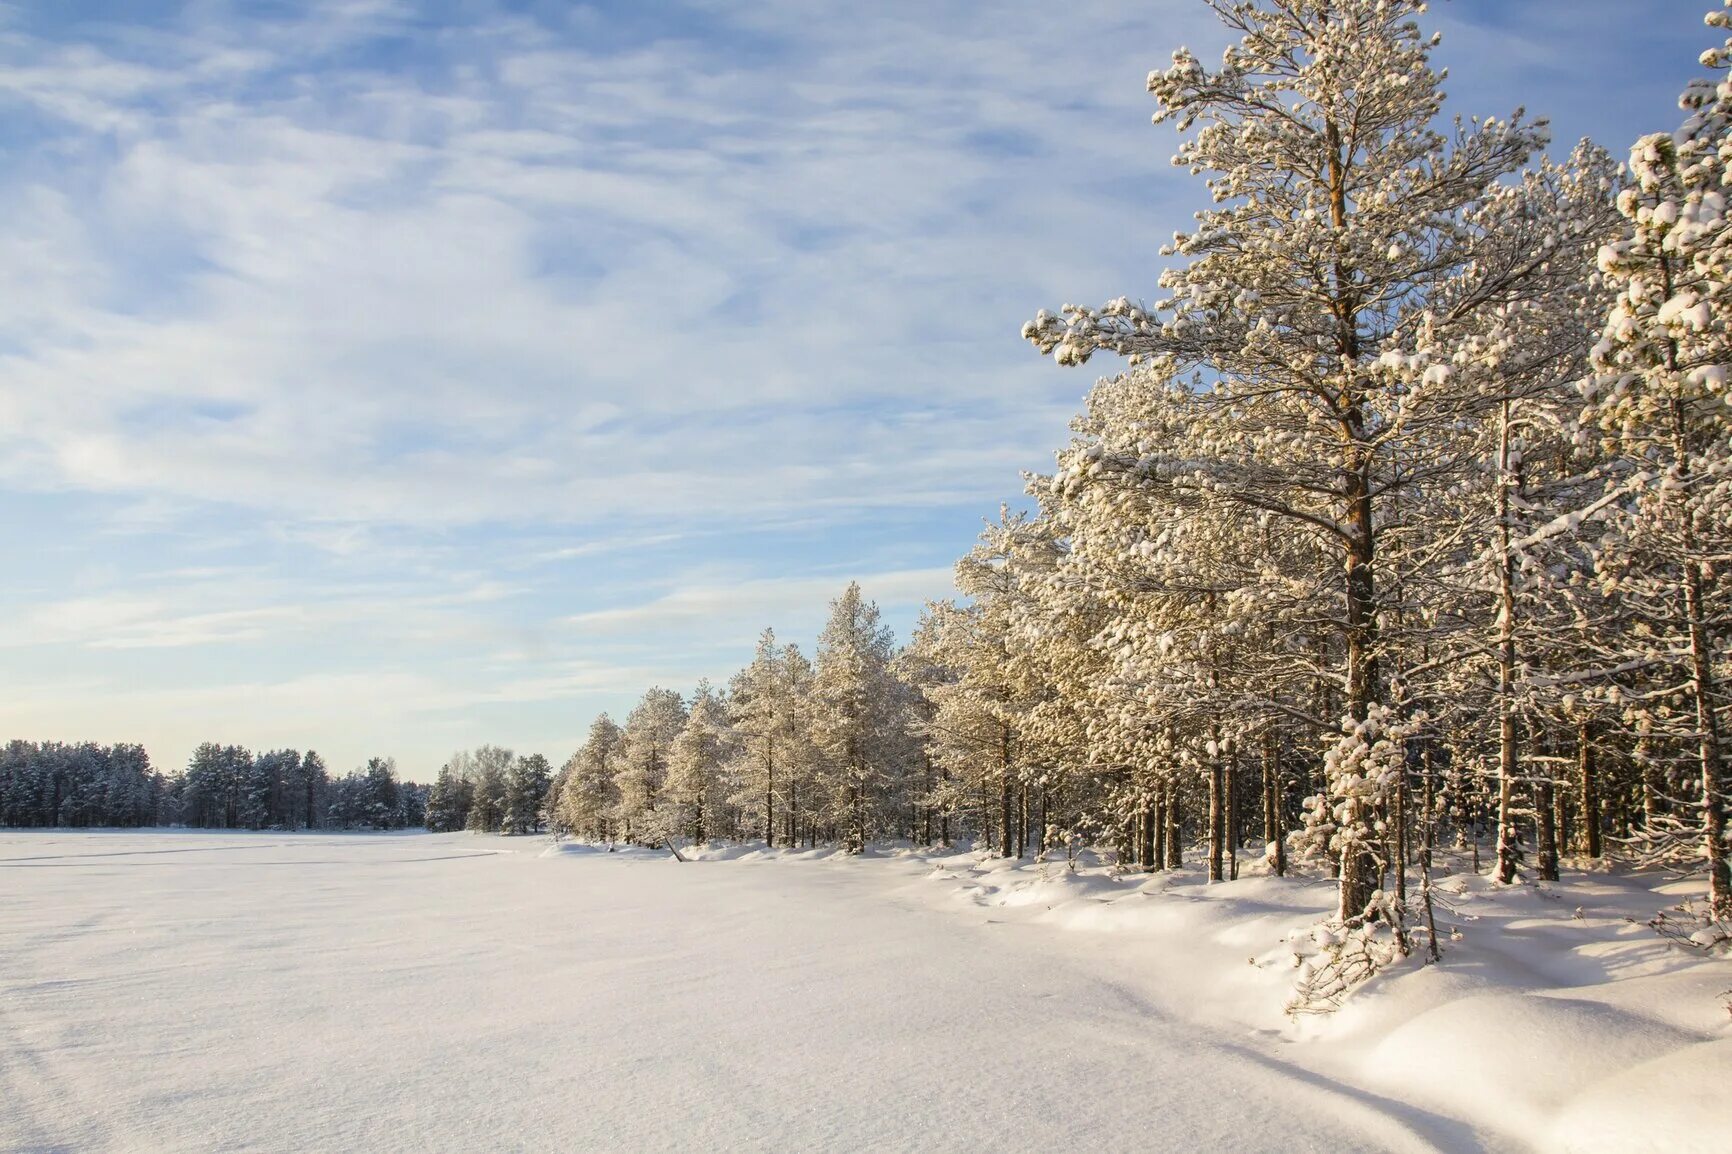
[184,991]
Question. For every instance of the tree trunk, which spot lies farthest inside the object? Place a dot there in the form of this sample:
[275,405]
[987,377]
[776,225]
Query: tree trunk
[926,807]
[986,832]
[1217,815]
[1359,869]
[1175,828]
[1586,777]
[1021,818]
[1702,688]
[769,796]
[1425,853]
[1399,816]
[1158,818]
[1650,774]
[1508,839]
[1360,873]
[1230,815]
[1545,816]
[1561,816]
[944,814]
[1274,824]
[1708,748]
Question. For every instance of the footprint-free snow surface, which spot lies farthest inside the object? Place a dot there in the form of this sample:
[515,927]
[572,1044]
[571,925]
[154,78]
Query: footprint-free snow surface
[179,991]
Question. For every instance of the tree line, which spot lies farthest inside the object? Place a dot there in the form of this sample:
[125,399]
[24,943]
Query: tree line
[491,790]
[794,751]
[227,787]
[79,785]
[87,785]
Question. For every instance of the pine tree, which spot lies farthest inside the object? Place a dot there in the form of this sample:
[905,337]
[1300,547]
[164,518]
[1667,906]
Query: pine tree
[1659,403]
[526,785]
[587,801]
[315,780]
[487,805]
[693,783]
[858,726]
[381,803]
[649,733]
[1338,241]
[448,802]
[981,711]
[766,712]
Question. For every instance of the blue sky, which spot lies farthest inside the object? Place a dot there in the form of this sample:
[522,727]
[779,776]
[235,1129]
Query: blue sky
[390,377]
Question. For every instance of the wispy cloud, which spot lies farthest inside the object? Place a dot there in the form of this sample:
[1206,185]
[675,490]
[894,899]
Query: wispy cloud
[530,277]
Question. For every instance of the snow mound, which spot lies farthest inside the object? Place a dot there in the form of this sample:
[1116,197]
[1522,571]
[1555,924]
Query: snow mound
[1529,1053]
[1555,1020]
[1674,1102]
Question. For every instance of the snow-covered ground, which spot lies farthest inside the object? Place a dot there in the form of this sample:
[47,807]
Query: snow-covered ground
[183,991]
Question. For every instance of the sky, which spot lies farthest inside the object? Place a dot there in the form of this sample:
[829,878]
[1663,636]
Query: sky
[387,377]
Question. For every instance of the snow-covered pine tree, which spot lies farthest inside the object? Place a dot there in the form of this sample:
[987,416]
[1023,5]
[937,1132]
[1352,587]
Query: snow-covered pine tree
[293,796]
[448,801]
[316,780]
[1493,588]
[1000,646]
[382,806]
[768,718]
[1206,612]
[858,726]
[262,791]
[526,784]
[586,803]
[693,787]
[802,760]
[550,815]
[487,803]
[650,730]
[1088,769]
[1339,218]
[1659,401]
[213,786]
[920,668]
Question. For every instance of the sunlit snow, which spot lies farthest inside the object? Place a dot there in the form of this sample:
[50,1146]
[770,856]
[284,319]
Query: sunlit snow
[176,990]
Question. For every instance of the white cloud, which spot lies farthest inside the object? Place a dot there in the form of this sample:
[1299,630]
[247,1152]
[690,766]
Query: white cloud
[543,281]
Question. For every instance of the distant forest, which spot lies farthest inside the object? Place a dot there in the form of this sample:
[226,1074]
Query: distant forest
[223,787]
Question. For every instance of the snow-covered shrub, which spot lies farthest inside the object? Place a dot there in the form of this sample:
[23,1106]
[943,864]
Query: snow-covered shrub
[1363,770]
[1333,959]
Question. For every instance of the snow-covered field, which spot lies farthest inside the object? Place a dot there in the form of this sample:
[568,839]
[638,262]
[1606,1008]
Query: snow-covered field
[183,991]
